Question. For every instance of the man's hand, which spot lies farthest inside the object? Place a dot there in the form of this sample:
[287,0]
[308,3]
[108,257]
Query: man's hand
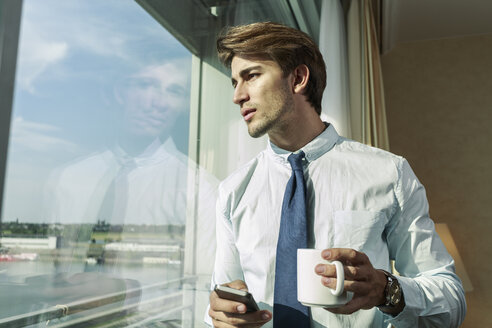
[225,313]
[361,278]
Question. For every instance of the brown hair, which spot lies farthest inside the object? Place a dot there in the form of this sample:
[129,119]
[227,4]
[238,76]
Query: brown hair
[284,45]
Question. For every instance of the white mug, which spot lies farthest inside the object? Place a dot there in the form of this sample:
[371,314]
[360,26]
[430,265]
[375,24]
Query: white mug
[310,290]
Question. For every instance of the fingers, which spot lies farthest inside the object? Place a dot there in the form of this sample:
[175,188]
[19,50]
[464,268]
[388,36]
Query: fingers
[357,266]
[358,274]
[223,305]
[361,278]
[359,287]
[351,272]
[345,255]
[219,304]
[252,319]
[227,313]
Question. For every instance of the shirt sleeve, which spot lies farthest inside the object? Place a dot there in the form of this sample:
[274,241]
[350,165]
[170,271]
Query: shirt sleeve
[227,266]
[433,293]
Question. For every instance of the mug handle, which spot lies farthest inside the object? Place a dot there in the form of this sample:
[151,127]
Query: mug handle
[340,278]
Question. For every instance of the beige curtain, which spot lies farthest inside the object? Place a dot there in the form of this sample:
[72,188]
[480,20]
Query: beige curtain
[367,108]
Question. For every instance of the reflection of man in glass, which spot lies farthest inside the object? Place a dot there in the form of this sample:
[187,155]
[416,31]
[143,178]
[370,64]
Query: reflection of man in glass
[139,193]
[150,175]
[152,100]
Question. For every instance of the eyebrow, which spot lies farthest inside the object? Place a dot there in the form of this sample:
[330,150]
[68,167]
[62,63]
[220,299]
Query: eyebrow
[246,72]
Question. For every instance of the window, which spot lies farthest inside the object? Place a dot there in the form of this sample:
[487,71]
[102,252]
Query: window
[119,133]
[96,186]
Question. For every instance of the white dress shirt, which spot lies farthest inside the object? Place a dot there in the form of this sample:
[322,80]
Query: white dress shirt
[358,197]
[156,192]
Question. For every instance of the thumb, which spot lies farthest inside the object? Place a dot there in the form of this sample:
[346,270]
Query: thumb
[237,284]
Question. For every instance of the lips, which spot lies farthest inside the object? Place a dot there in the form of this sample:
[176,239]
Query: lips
[248,113]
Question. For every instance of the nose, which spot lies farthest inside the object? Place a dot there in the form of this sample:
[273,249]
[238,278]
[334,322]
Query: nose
[240,94]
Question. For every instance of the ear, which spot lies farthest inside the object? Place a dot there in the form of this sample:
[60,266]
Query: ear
[301,78]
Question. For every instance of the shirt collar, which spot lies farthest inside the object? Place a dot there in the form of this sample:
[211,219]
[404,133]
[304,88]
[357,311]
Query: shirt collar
[313,150]
[156,152]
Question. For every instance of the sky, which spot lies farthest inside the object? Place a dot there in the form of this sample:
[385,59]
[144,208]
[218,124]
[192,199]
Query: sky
[72,56]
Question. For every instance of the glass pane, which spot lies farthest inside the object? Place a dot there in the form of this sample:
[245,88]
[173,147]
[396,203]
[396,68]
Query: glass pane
[96,198]
[105,221]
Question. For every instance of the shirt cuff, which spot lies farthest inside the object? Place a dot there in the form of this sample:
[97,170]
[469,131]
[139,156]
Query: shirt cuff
[408,317]
[207,319]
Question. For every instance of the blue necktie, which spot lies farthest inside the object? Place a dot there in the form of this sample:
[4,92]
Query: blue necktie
[287,311]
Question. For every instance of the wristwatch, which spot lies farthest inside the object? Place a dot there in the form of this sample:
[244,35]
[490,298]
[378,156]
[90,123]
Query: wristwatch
[392,292]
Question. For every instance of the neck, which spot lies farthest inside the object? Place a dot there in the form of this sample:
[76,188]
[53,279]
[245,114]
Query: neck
[300,129]
[134,145]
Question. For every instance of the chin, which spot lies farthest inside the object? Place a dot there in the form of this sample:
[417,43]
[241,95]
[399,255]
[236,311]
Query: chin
[256,133]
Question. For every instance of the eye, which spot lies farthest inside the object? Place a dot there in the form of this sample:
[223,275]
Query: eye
[252,76]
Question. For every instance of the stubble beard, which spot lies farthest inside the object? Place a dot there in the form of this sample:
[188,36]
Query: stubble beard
[273,113]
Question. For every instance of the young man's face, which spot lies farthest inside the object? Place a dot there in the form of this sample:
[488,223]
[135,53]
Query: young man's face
[263,93]
[153,99]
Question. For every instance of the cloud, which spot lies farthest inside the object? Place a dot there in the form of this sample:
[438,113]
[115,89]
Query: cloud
[54,30]
[39,137]
[176,71]
[36,55]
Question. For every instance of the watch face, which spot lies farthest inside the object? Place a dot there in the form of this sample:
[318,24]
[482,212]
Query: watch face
[395,293]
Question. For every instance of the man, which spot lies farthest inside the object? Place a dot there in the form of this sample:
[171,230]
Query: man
[364,206]
[140,186]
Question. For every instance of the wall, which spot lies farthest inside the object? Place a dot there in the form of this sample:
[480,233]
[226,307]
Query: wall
[439,110]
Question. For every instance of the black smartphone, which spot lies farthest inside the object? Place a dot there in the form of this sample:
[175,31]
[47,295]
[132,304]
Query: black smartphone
[237,295]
